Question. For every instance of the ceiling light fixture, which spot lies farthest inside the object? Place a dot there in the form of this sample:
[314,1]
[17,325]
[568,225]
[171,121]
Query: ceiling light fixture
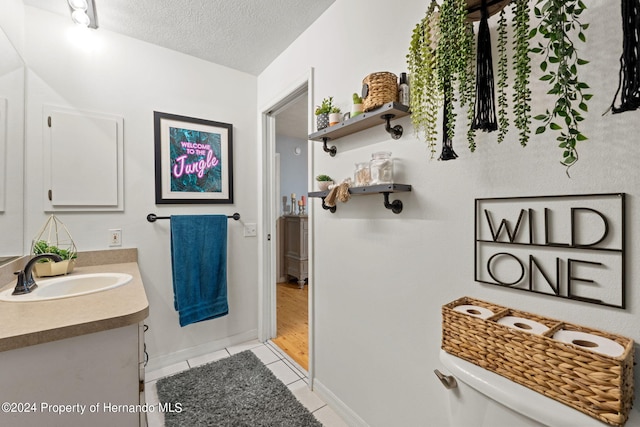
[83,12]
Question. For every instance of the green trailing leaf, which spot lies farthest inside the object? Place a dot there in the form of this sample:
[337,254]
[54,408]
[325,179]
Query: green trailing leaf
[426,91]
[522,67]
[559,21]
[503,104]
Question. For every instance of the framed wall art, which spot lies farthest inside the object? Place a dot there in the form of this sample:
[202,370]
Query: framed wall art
[194,160]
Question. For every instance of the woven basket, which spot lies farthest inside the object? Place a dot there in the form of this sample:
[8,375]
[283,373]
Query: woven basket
[378,89]
[600,386]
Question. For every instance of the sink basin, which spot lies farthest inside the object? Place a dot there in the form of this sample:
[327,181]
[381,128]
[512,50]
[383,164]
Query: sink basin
[69,286]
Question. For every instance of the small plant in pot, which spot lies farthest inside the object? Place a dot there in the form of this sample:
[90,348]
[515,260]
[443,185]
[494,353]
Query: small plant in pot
[357,107]
[335,115]
[322,112]
[324,181]
[47,267]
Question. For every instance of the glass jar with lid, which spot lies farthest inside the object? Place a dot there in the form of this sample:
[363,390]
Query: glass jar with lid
[362,175]
[381,167]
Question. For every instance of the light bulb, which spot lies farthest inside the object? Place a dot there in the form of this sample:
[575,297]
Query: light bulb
[78,4]
[80,17]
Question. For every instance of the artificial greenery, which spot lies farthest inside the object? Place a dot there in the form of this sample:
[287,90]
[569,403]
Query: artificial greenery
[522,66]
[43,247]
[335,109]
[357,99]
[323,178]
[325,107]
[559,22]
[426,94]
[501,84]
[468,89]
[452,55]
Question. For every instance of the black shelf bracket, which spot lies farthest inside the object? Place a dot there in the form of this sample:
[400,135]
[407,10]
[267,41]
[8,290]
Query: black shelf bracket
[331,209]
[395,206]
[396,131]
[331,150]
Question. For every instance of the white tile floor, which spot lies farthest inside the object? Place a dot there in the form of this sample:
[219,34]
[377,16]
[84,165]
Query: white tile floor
[284,369]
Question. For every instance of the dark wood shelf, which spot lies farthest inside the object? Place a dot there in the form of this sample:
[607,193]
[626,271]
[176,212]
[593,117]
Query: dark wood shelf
[382,115]
[384,189]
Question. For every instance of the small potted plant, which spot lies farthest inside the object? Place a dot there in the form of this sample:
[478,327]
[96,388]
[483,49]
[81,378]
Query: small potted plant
[324,181]
[54,238]
[322,112]
[47,267]
[334,116]
[357,107]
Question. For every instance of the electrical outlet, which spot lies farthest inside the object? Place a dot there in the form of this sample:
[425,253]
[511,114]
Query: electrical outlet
[115,237]
[250,230]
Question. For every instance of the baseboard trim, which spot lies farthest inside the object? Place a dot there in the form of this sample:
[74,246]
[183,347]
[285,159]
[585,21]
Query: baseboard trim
[163,361]
[346,413]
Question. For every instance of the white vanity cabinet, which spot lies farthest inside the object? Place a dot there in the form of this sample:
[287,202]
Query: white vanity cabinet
[98,373]
[76,361]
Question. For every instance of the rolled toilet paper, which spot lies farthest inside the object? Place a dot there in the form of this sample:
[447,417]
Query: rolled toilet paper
[474,310]
[590,342]
[523,324]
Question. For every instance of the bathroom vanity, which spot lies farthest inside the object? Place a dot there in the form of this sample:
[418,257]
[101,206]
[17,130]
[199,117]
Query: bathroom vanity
[76,361]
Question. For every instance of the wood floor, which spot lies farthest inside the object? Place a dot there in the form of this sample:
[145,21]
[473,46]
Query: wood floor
[293,322]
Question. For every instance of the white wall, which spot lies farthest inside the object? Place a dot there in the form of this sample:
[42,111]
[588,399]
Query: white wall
[132,79]
[293,168]
[380,279]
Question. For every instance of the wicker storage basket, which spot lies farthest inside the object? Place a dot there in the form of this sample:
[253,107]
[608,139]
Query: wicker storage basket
[378,89]
[600,386]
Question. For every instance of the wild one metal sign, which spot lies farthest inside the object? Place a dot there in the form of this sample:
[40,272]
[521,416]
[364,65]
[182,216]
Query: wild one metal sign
[564,246]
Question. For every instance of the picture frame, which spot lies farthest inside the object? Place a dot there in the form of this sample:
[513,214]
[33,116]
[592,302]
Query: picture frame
[193,160]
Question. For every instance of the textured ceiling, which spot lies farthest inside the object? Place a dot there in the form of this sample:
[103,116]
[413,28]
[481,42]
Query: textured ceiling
[246,35]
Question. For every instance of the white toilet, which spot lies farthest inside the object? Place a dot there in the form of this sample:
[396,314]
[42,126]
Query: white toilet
[481,398]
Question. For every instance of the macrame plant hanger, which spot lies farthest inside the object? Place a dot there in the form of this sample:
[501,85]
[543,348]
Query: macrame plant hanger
[629,77]
[485,106]
[447,143]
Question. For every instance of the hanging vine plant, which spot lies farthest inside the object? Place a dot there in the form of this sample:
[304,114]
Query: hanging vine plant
[559,20]
[426,92]
[469,89]
[501,84]
[522,66]
[452,54]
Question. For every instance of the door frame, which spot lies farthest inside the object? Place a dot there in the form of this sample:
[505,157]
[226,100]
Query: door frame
[268,201]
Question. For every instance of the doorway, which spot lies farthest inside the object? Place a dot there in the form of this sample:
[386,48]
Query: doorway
[291,172]
[287,295]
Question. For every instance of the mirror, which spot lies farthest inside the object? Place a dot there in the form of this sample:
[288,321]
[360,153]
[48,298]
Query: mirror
[12,95]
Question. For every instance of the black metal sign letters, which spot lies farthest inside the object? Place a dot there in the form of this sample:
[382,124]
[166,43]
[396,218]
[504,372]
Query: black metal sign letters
[564,246]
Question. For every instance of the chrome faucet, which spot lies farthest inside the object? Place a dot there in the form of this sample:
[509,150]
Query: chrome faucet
[25,282]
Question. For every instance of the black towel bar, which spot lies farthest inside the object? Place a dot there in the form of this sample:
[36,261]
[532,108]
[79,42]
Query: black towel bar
[153,217]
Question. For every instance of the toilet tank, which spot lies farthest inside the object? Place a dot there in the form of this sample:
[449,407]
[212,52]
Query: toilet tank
[482,398]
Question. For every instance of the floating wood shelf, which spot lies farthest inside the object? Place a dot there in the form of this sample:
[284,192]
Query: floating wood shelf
[384,189]
[363,121]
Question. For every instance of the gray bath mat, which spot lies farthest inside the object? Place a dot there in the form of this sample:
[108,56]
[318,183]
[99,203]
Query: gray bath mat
[236,391]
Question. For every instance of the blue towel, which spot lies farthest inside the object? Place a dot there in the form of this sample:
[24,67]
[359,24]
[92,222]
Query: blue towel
[199,266]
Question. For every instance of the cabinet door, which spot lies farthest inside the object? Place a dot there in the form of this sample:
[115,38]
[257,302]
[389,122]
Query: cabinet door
[304,238]
[293,237]
[83,155]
